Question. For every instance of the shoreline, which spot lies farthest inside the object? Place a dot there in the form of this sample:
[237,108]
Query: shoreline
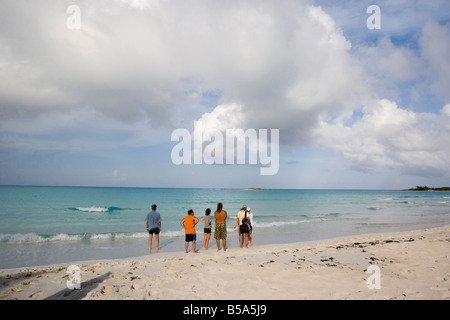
[413,265]
[54,253]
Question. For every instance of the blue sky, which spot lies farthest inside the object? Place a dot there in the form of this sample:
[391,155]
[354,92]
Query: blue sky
[96,105]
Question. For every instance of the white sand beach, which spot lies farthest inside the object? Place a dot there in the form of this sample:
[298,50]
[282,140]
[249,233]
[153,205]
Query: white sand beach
[413,265]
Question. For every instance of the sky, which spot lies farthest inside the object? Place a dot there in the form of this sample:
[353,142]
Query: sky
[93,92]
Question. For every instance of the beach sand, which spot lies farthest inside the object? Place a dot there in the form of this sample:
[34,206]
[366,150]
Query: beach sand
[413,265]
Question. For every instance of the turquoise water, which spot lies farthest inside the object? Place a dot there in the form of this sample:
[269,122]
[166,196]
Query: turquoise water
[46,225]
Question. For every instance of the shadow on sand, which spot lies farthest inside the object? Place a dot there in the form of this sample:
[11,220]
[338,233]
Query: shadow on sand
[86,287]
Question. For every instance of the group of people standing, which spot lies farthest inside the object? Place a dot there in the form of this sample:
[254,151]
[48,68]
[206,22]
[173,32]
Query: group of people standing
[244,220]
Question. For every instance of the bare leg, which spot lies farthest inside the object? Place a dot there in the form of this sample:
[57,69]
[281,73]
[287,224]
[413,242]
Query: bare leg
[193,247]
[157,242]
[218,245]
[186,246]
[150,237]
[224,241]
[208,236]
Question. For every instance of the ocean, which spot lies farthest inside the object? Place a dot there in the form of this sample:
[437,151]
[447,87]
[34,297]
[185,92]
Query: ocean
[49,225]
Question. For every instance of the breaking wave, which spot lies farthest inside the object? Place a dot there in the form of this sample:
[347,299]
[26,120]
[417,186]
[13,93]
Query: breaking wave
[96,209]
[37,238]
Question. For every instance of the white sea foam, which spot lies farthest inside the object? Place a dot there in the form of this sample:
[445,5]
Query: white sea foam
[35,238]
[92,209]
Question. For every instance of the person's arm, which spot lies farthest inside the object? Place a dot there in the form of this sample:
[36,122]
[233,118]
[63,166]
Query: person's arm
[237,222]
[196,220]
[182,223]
[159,223]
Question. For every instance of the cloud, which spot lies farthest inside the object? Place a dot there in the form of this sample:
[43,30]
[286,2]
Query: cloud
[224,116]
[410,73]
[401,20]
[391,64]
[134,59]
[387,135]
[291,74]
[137,70]
[77,130]
[140,4]
[329,81]
[435,44]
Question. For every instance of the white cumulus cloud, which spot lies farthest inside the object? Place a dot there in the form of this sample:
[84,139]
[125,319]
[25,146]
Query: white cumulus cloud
[386,135]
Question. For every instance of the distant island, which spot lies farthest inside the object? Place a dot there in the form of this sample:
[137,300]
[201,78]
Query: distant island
[256,189]
[425,188]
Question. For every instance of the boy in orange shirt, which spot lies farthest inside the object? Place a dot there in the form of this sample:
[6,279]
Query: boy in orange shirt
[188,223]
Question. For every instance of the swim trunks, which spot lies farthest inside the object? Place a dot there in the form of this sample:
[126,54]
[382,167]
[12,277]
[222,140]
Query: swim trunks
[191,237]
[221,231]
[207,230]
[153,231]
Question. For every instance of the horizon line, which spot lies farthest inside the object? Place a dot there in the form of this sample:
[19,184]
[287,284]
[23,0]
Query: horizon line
[235,188]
